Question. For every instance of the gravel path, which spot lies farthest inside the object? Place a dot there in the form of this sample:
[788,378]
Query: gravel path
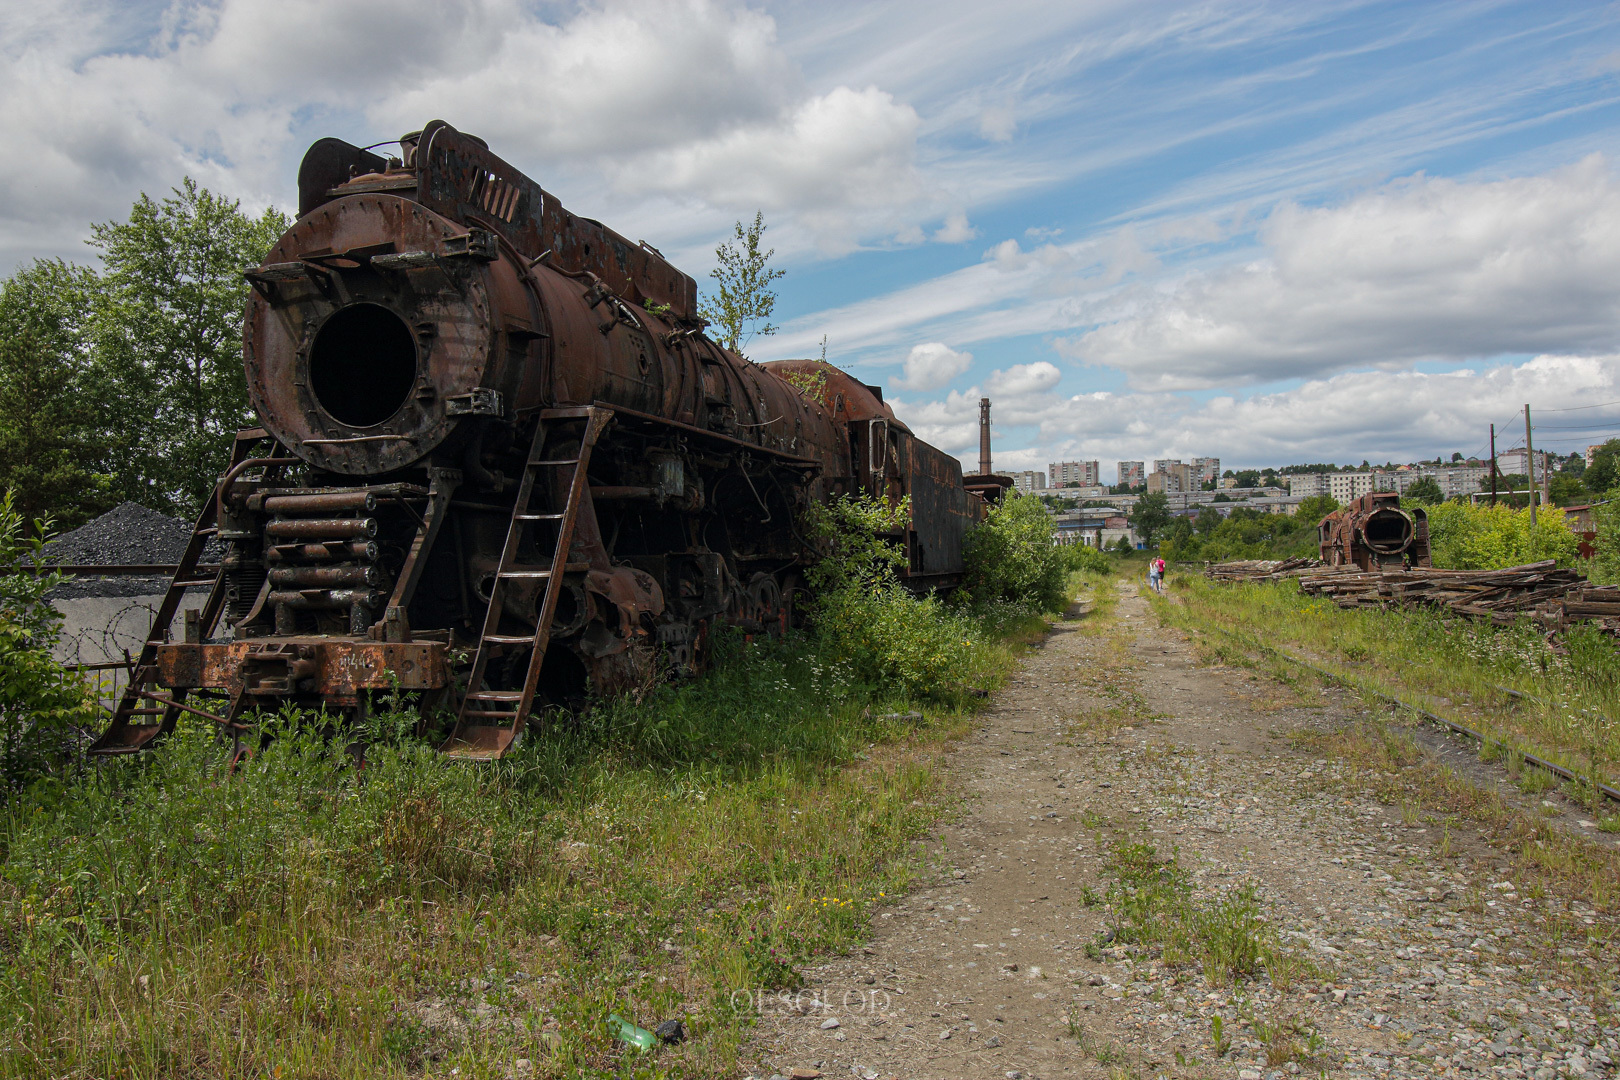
[1420,954]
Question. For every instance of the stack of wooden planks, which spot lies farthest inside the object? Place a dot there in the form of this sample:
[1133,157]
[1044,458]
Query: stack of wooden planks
[1499,595]
[1260,569]
[1598,604]
[1540,590]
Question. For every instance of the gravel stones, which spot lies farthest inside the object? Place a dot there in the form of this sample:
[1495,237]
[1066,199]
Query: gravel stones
[127,534]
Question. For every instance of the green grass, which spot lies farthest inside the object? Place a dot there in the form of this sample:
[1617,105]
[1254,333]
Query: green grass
[1152,905]
[660,858]
[1566,694]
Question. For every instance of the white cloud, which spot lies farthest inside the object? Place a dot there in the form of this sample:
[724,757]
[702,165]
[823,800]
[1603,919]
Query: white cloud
[956,229]
[998,123]
[932,365]
[674,117]
[1423,268]
[1022,380]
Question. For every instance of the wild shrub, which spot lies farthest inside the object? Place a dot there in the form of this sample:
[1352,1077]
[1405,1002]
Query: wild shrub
[41,702]
[1604,568]
[1090,559]
[1010,557]
[868,622]
[1467,537]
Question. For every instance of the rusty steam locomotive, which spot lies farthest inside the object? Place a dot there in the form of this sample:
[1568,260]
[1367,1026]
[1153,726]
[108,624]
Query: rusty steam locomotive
[500,465]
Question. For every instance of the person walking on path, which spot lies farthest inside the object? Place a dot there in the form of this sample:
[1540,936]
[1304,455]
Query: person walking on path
[1156,573]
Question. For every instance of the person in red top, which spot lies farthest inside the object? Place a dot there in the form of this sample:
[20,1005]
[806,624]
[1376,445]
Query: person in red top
[1157,575]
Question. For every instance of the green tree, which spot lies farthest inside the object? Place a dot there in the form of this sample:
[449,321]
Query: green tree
[40,701]
[1151,516]
[1567,490]
[167,329]
[1604,569]
[1247,478]
[1208,520]
[1604,472]
[743,308]
[1316,507]
[1010,556]
[51,459]
[1425,490]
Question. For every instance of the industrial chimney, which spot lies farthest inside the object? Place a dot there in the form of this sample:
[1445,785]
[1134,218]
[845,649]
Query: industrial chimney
[984,436]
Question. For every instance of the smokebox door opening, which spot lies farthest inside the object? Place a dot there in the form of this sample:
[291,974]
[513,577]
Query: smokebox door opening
[1388,531]
[362,365]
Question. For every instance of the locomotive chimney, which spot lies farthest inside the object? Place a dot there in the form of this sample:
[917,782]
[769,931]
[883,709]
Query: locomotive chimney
[984,437]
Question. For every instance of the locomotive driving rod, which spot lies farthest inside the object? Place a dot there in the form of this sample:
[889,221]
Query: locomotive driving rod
[1461,729]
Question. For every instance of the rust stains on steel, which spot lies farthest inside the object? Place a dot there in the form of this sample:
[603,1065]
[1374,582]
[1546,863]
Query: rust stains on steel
[1374,532]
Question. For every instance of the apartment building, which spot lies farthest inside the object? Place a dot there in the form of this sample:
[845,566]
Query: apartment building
[1075,473]
[1514,461]
[1164,464]
[1175,477]
[1206,470]
[1029,480]
[1132,473]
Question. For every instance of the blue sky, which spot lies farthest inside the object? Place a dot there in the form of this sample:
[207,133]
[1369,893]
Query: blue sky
[1264,232]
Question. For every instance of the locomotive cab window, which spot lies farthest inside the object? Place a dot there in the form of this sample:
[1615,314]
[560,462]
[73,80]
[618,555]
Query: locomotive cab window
[362,365]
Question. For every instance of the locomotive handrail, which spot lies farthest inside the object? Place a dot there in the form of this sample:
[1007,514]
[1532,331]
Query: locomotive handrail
[742,444]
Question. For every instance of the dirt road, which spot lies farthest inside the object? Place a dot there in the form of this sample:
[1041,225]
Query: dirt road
[1416,951]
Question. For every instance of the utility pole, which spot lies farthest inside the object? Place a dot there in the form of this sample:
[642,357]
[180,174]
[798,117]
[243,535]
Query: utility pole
[1493,464]
[1530,464]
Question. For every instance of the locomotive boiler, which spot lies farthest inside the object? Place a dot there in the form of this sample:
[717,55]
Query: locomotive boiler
[1373,532]
[499,465]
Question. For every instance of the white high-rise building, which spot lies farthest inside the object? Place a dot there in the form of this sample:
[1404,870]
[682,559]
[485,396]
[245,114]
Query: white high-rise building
[1029,480]
[1206,469]
[1132,473]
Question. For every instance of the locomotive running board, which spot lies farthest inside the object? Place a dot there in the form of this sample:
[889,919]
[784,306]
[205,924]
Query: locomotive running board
[490,722]
[124,734]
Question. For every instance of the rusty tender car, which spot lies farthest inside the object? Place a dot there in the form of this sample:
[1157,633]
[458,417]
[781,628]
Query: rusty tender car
[500,466]
[1374,533]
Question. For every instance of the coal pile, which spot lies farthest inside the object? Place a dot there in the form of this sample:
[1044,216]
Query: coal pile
[129,533]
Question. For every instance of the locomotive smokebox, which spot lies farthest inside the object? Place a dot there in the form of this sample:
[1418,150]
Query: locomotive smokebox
[1375,532]
[376,326]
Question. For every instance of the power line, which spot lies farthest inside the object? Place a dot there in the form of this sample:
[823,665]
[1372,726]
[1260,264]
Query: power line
[1578,408]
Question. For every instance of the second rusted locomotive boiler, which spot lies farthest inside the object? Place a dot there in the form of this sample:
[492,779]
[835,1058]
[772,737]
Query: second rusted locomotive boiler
[1374,532]
[500,464]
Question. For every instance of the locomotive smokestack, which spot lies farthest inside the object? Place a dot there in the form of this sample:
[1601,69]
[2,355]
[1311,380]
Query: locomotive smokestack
[984,437]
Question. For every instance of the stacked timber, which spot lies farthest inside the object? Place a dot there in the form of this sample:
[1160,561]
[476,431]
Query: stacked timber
[1539,590]
[1599,604]
[1498,595]
[1260,569]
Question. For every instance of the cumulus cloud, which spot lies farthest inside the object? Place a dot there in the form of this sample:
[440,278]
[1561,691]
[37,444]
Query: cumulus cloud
[1421,269]
[1022,380]
[956,229]
[680,115]
[932,365]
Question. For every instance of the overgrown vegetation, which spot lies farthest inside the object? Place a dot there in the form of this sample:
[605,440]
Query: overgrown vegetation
[1245,533]
[40,701]
[1563,693]
[1010,557]
[671,856]
[1152,905]
[1482,537]
[126,383]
